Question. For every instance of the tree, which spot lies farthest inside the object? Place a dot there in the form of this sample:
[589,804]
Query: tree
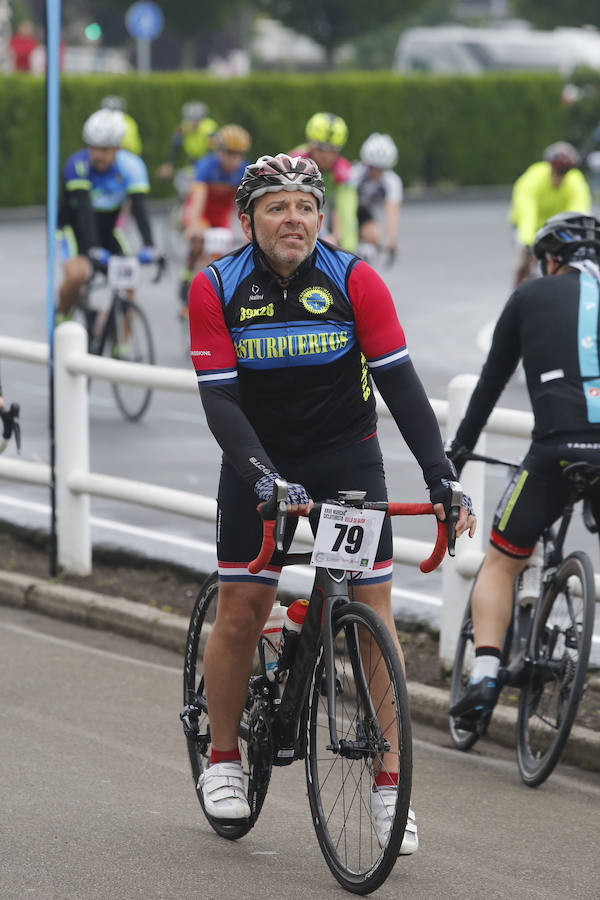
[553,13]
[334,22]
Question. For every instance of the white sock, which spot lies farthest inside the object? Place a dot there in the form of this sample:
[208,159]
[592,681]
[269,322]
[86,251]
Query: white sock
[485,667]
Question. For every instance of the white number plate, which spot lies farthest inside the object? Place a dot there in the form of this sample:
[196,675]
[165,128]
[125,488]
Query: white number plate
[347,538]
[123,272]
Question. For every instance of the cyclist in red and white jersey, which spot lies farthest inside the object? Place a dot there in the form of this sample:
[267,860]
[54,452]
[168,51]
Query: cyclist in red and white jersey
[326,135]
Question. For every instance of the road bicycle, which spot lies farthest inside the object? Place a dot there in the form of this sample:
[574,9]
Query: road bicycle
[341,706]
[120,330]
[547,645]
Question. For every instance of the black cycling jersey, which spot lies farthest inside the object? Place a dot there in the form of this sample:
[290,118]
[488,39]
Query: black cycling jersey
[552,323]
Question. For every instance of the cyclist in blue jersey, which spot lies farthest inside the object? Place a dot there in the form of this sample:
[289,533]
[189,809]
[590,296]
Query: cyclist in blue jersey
[96,182]
[211,201]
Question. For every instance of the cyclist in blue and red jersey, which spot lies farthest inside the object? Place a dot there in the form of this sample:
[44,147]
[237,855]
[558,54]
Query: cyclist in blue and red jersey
[286,335]
[211,201]
[96,182]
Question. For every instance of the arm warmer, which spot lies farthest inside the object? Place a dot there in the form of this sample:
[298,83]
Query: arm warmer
[502,361]
[405,397]
[85,220]
[140,214]
[234,433]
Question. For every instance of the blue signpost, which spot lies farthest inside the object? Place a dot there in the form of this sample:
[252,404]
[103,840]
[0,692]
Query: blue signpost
[144,21]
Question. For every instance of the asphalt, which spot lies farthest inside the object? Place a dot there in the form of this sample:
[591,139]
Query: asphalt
[168,630]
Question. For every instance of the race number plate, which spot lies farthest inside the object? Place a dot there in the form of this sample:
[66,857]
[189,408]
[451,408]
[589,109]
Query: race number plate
[123,272]
[347,538]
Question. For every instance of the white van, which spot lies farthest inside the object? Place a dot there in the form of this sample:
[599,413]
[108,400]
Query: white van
[456,48]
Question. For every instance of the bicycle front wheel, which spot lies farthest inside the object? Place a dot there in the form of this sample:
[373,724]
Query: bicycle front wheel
[373,726]
[561,648]
[255,740]
[131,342]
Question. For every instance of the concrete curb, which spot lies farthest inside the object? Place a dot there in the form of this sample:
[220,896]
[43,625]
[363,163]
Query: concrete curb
[428,704]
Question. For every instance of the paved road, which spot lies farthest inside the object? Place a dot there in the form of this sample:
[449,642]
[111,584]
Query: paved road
[449,283]
[98,801]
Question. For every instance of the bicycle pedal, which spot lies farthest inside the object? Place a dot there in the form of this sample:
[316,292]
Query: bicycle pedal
[189,719]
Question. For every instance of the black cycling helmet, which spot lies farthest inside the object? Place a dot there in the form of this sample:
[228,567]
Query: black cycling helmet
[568,235]
[279,173]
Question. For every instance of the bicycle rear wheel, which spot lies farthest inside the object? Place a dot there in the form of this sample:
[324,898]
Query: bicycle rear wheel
[255,738]
[131,341]
[340,785]
[561,649]
[464,660]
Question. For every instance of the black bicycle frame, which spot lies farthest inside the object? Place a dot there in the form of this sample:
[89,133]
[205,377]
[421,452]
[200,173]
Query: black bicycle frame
[329,591]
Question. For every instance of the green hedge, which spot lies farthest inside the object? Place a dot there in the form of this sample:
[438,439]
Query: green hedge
[461,130]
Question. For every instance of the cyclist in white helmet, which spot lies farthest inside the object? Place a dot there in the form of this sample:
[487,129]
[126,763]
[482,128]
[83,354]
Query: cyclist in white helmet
[96,182]
[379,196]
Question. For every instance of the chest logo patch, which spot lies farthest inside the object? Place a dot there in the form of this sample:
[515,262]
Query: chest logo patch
[316,300]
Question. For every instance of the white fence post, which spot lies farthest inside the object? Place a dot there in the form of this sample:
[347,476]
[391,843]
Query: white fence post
[72,451]
[454,586]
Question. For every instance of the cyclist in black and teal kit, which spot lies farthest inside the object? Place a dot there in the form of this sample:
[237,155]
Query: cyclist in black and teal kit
[286,335]
[96,182]
[552,324]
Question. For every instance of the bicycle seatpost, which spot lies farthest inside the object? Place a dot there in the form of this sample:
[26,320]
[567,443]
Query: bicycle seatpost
[456,496]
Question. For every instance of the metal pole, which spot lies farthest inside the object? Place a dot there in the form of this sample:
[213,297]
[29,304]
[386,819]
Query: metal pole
[143,47]
[53,19]
[454,586]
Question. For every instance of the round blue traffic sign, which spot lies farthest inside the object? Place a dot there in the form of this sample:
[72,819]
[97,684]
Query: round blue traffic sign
[144,20]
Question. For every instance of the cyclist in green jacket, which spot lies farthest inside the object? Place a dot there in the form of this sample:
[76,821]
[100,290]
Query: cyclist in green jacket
[545,189]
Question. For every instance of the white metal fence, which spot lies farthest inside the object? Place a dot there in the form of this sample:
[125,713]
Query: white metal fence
[75,483]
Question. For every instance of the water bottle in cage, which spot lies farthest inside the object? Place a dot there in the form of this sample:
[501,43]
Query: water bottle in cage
[530,578]
[272,633]
[292,626]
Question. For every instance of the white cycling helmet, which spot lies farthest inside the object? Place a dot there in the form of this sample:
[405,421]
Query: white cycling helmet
[379,151]
[104,128]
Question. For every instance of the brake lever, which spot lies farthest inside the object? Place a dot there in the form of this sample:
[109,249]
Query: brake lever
[281,498]
[456,496]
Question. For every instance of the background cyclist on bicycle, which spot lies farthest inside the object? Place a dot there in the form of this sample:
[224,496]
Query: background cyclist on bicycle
[285,333]
[192,139]
[379,196]
[552,324]
[96,182]
[211,200]
[545,189]
[132,140]
[326,134]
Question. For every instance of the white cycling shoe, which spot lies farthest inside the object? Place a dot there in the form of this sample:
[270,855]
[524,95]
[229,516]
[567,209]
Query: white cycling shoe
[383,802]
[222,786]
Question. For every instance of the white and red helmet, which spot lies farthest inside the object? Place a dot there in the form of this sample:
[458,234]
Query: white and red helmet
[279,173]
